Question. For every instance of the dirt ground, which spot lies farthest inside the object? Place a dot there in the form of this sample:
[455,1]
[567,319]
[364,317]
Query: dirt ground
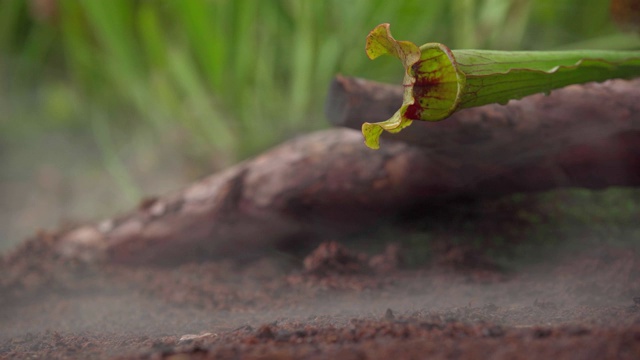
[333,303]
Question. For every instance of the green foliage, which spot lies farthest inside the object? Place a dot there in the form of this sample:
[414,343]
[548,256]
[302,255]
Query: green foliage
[235,76]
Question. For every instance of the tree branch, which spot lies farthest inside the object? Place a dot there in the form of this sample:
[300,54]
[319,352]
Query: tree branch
[320,184]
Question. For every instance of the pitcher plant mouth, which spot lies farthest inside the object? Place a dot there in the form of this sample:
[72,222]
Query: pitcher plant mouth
[431,82]
[438,81]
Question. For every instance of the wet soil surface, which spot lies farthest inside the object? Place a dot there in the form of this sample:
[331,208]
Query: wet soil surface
[335,303]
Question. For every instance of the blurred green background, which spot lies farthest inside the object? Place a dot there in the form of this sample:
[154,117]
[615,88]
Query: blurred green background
[103,102]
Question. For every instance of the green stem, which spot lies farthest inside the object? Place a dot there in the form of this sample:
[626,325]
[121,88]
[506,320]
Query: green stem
[439,81]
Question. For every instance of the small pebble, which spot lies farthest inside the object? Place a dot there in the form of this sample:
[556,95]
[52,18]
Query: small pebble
[388,315]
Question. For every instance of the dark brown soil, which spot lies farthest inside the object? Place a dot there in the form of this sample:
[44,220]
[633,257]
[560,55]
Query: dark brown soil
[336,303]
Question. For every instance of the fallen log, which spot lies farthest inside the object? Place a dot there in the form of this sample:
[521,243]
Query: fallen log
[316,185]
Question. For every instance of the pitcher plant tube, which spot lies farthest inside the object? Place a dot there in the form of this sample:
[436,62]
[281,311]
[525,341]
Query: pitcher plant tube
[439,81]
